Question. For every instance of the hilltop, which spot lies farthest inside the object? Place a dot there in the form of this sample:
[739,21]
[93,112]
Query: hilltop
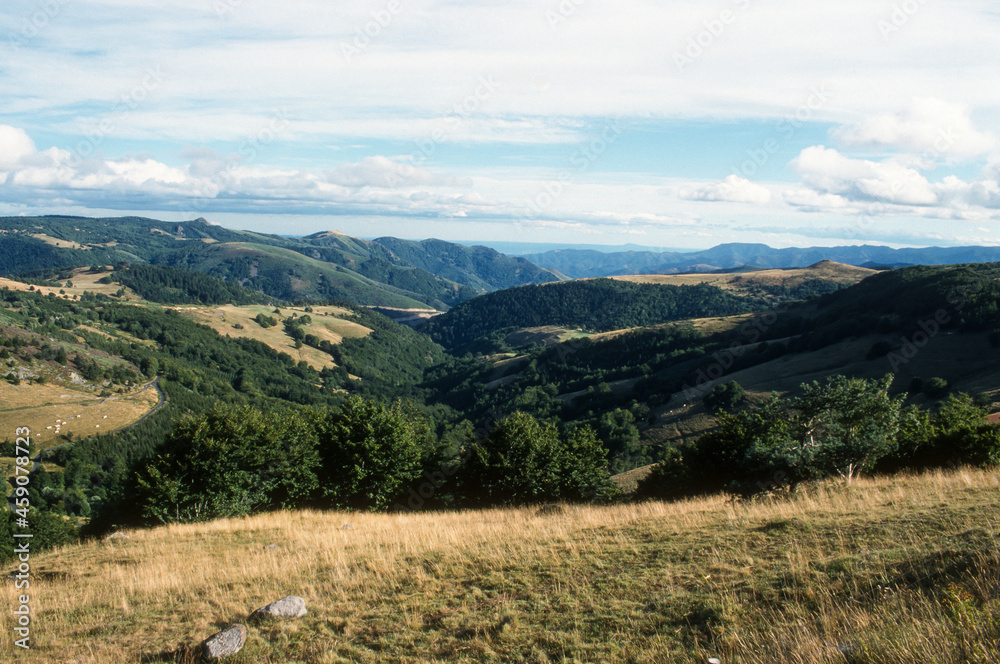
[794,283]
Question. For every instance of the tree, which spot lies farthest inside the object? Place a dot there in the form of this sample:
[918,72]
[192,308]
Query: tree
[963,431]
[847,425]
[524,461]
[230,462]
[747,451]
[620,434]
[583,468]
[370,453]
[724,396]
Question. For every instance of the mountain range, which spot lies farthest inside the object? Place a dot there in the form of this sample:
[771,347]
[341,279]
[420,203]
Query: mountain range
[584,263]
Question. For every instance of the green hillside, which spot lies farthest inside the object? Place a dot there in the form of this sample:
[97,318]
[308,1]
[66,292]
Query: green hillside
[318,267]
[595,305]
[479,267]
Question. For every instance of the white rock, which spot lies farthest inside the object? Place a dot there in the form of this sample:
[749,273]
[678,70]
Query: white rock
[286,607]
[227,642]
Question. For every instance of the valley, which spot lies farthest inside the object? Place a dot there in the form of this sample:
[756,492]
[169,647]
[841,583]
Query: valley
[180,396]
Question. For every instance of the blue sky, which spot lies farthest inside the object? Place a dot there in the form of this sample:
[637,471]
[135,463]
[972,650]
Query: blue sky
[683,124]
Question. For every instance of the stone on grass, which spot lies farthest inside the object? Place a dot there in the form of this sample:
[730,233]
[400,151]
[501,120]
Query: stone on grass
[286,607]
[227,642]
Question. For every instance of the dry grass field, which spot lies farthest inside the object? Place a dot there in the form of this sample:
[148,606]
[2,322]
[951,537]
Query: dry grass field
[745,281]
[51,411]
[900,570]
[328,323]
[83,281]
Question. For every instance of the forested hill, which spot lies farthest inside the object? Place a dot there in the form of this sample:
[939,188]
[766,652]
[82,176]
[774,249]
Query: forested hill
[322,266]
[479,267]
[597,305]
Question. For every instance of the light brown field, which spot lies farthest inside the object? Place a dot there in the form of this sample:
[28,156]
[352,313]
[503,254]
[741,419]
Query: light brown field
[744,281]
[83,282]
[51,411]
[325,324]
[898,570]
[56,242]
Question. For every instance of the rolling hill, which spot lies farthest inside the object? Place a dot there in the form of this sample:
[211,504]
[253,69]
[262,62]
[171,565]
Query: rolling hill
[322,266]
[917,323]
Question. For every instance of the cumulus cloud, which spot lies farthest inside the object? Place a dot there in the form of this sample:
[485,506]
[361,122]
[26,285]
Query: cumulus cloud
[213,181]
[840,184]
[732,189]
[829,172]
[929,127]
[15,144]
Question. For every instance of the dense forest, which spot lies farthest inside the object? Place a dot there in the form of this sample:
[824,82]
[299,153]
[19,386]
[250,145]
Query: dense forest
[595,305]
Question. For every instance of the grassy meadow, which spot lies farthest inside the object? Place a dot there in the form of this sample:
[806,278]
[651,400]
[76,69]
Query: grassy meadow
[892,570]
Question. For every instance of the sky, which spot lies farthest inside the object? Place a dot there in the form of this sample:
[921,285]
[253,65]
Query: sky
[681,124]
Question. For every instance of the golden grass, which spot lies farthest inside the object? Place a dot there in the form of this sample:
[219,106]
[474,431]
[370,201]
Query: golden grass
[746,281]
[327,324]
[51,411]
[55,242]
[83,281]
[783,580]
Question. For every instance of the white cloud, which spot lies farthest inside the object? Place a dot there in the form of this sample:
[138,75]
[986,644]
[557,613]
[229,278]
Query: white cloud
[380,171]
[839,184]
[732,189]
[828,171]
[15,144]
[930,127]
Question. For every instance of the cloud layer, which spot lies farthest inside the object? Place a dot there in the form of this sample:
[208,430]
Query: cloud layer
[474,111]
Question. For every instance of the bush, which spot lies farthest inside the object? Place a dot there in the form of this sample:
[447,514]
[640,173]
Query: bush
[230,462]
[936,388]
[724,396]
[524,461]
[843,427]
[370,453]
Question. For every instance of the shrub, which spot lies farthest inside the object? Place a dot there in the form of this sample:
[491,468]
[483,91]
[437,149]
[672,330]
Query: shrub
[936,388]
[724,396]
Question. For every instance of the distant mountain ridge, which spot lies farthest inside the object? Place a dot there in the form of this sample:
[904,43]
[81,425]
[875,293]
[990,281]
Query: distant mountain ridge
[579,263]
[328,265]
